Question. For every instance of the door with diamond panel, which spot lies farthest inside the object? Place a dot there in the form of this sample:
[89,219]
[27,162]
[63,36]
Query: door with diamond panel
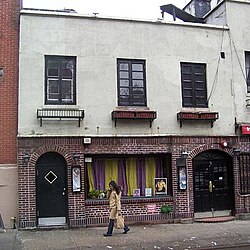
[51,186]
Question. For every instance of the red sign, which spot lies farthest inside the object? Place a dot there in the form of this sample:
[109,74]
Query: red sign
[151,208]
[245,129]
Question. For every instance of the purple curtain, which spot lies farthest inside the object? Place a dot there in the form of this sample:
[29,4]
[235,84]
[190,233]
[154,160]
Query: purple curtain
[122,180]
[99,173]
[159,169]
[141,174]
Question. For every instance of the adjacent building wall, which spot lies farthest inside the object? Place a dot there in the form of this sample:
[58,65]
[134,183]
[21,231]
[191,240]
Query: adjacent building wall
[9,35]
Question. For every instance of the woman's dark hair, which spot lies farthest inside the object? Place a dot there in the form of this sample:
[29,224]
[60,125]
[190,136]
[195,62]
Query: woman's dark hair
[115,186]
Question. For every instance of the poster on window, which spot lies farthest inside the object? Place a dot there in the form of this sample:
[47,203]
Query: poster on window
[160,186]
[136,193]
[148,192]
[182,178]
[76,179]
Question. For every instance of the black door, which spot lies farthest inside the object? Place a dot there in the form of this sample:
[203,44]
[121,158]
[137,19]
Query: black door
[213,182]
[51,189]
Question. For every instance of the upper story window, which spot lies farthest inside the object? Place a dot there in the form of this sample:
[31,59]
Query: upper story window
[131,82]
[60,77]
[247,63]
[193,83]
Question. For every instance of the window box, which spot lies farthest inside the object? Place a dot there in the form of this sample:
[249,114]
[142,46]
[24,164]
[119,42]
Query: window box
[210,116]
[133,114]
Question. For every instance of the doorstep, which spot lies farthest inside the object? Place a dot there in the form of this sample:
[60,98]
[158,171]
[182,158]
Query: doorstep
[215,219]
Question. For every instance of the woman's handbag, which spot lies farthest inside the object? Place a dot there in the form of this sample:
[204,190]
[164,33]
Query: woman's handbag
[119,222]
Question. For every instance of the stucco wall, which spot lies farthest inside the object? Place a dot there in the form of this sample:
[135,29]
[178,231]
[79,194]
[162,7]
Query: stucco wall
[97,43]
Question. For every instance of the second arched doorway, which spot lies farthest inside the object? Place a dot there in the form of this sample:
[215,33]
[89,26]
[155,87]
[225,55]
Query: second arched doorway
[213,181]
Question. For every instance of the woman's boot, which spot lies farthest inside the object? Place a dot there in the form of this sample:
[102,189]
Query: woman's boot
[126,229]
[110,228]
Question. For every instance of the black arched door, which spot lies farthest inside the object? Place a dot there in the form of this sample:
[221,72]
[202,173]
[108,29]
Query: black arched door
[51,193]
[213,181]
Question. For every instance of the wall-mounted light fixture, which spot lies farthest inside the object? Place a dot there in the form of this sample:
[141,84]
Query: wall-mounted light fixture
[76,157]
[236,151]
[26,158]
[184,154]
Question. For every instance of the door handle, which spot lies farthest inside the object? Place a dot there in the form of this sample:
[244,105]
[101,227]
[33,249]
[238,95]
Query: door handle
[210,186]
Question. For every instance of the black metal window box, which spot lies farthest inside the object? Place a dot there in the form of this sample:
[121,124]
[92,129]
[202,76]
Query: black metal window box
[60,114]
[134,114]
[198,116]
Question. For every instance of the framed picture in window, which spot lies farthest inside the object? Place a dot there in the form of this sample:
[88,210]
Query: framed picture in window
[76,179]
[136,193]
[160,186]
[148,192]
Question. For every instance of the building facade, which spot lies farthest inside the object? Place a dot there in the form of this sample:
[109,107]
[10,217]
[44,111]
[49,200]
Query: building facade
[9,40]
[159,107]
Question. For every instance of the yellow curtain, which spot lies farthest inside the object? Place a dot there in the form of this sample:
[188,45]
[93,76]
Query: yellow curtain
[131,175]
[150,172]
[90,176]
[111,171]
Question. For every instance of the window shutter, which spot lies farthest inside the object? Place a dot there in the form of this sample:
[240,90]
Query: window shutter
[193,79]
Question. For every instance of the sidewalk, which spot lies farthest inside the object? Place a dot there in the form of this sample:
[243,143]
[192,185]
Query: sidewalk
[161,236]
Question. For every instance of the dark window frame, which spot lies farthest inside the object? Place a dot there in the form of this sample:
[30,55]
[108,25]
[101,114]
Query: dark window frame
[131,100]
[247,68]
[196,84]
[167,172]
[59,100]
[244,173]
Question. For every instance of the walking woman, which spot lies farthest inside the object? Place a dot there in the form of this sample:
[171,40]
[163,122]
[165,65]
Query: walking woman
[114,196]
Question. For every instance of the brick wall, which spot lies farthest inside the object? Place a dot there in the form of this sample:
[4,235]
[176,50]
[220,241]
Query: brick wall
[26,178]
[88,212]
[134,210]
[9,39]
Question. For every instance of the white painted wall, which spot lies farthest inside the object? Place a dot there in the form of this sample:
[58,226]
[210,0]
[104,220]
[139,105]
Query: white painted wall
[97,43]
[235,15]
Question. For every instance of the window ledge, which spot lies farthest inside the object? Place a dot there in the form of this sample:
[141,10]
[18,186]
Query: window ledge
[134,114]
[132,108]
[130,200]
[189,115]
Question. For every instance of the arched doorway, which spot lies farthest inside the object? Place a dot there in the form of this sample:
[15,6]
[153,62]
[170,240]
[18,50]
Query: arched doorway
[51,190]
[213,181]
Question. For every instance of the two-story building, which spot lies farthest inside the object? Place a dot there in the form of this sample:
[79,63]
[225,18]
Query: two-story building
[158,106]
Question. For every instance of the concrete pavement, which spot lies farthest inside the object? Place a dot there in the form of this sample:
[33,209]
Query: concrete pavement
[226,235]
